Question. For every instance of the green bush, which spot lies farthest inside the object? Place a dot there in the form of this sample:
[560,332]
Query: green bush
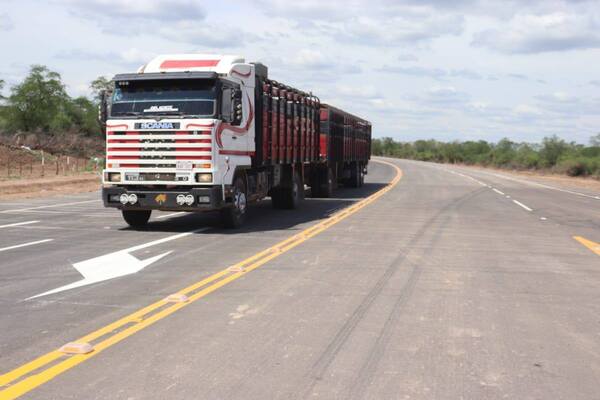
[553,153]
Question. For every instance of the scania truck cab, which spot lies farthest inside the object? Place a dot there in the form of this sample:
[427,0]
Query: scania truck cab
[177,133]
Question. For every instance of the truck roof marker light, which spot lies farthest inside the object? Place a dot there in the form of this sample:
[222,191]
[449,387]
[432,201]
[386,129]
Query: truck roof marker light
[177,298]
[171,64]
[76,348]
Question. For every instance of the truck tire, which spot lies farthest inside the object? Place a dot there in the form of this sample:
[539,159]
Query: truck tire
[362,175]
[327,183]
[289,198]
[234,216]
[136,218]
[355,173]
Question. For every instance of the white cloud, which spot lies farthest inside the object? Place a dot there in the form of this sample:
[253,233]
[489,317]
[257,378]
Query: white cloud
[527,33]
[6,23]
[159,10]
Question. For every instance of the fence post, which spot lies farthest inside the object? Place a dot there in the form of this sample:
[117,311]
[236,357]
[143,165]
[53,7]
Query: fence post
[20,168]
[57,158]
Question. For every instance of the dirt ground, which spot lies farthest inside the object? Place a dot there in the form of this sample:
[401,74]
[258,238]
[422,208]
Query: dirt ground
[44,187]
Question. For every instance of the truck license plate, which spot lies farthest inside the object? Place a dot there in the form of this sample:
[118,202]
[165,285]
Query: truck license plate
[184,165]
[132,176]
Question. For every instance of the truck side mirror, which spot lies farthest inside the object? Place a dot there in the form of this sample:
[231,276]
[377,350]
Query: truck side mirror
[227,105]
[103,108]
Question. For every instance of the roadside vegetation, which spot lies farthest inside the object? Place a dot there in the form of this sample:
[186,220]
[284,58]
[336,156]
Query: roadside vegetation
[552,155]
[38,113]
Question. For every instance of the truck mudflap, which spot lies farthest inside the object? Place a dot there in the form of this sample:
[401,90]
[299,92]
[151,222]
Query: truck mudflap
[204,199]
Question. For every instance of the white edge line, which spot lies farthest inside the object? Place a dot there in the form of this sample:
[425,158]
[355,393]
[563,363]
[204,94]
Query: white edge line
[26,244]
[522,205]
[49,206]
[170,215]
[497,191]
[19,224]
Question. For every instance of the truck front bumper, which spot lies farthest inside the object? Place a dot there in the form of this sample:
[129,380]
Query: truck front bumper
[205,199]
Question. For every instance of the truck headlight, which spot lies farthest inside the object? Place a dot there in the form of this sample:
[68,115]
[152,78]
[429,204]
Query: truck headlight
[204,177]
[113,177]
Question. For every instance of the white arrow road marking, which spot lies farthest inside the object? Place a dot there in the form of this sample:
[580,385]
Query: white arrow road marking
[114,265]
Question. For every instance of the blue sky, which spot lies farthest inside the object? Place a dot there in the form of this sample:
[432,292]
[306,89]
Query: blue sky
[465,69]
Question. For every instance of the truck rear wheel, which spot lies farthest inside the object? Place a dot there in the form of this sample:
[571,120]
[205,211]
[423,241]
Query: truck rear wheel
[355,175]
[234,217]
[289,197]
[136,218]
[327,183]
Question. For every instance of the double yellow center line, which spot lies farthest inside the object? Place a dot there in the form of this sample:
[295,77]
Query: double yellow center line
[44,368]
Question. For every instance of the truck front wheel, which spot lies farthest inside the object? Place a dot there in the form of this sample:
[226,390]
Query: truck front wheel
[234,217]
[136,218]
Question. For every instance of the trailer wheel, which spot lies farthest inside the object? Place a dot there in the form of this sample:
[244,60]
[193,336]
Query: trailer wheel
[136,218]
[355,175]
[362,175]
[327,183]
[234,217]
[289,198]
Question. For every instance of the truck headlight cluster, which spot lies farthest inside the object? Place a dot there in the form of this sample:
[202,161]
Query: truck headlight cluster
[184,199]
[128,198]
[204,177]
[112,177]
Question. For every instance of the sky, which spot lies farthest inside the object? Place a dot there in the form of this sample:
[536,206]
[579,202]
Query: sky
[417,69]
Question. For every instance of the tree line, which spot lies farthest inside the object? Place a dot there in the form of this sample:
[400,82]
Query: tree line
[40,103]
[553,154]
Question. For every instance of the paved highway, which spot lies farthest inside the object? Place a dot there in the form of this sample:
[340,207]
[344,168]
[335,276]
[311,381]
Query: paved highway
[433,282]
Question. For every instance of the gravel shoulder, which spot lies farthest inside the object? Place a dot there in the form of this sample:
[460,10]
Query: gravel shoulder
[54,186]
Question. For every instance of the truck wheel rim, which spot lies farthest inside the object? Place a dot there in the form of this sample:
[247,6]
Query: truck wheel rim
[240,202]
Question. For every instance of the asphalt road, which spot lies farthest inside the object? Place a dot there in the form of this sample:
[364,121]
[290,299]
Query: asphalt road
[454,284]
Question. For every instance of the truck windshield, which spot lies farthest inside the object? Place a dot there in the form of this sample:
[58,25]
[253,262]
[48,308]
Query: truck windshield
[183,97]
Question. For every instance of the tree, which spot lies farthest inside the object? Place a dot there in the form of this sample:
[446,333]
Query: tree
[595,140]
[98,85]
[1,88]
[39,102]
[84,114]
[552,149]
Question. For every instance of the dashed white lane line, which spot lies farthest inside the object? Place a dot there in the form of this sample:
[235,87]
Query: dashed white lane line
[19,224]
[522,205]
[49,206]
[493,188]
[596,197]
[25,244]
[170,215]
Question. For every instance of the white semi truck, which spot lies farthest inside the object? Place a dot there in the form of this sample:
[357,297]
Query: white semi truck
[192,132]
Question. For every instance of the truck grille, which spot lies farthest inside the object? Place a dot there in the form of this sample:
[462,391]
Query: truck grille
[157,149]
